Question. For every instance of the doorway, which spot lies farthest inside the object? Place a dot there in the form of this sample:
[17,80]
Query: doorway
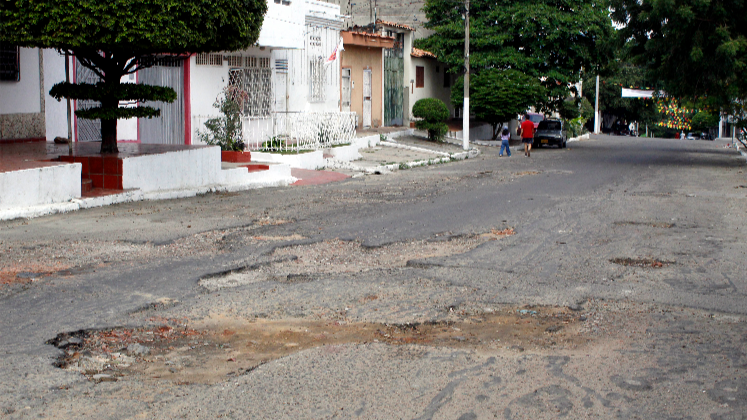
[367,93]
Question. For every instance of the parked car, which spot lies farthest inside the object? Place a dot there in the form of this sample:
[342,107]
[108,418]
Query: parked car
[693,136]
[535,118]
[550,132]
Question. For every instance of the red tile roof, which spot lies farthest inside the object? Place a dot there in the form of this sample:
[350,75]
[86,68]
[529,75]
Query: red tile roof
[418,53]
[394,25]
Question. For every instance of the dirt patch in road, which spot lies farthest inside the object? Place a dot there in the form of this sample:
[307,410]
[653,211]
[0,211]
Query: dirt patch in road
[221,347]
[302,262]
[641,262]
[652,224]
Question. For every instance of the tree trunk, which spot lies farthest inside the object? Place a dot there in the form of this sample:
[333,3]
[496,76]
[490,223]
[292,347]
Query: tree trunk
[109,136]
[109,127]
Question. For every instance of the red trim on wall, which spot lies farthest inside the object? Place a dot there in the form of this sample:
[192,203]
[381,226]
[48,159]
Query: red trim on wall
[187,103]
[137,79]
[75,101]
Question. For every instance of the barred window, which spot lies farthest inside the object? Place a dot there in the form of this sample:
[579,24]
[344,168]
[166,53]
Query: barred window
[209,60]
[316,80]
[252,89]
[10,70]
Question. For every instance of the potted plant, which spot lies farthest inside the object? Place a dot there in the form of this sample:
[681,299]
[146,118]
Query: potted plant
[226,131]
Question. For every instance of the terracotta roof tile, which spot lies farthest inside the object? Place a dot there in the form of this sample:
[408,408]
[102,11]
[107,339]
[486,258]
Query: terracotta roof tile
[418,53]
[395,25]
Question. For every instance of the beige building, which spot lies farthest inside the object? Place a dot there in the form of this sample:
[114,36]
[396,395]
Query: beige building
[361,71]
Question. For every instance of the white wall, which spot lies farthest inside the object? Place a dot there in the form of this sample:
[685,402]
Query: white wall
[23,97]
[207,82]
[297,77]
[38,186]
[433,86]
[283,25]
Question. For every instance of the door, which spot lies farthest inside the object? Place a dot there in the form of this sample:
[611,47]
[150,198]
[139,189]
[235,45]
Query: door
[169,127]
[86,130]
[367,98]
[345,91]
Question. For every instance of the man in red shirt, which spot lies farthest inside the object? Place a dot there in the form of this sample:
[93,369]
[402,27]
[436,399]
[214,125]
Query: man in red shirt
[526,131]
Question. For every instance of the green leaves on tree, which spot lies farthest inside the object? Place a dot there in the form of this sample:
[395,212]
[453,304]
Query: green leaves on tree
[432,113]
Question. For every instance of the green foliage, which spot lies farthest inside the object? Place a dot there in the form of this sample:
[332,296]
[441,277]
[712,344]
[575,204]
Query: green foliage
[121,92]
[273,143]
[695,48]
[703,120]
[432,113]
[497,96]
[118,37]
[611,102]
[546,39]
[225,131]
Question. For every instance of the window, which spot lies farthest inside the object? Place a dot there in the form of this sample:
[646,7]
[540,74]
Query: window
[252,89]
[209,60]
[10,70]
[419,77]
[316,80]
[447,79]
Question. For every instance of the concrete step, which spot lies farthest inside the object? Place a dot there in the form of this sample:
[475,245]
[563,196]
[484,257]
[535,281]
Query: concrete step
[86,185]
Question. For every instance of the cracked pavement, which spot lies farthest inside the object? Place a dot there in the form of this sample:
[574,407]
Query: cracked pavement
[636,245]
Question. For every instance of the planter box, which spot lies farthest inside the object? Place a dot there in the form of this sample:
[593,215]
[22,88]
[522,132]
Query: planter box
[235,157]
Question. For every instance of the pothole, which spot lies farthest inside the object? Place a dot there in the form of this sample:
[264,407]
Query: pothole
[641,262]
[303,263]
[652,224]
[221,348]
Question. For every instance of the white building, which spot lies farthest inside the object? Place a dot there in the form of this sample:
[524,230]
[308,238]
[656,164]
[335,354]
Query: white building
[284,78]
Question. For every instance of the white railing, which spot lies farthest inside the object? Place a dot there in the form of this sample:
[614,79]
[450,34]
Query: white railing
[293,131]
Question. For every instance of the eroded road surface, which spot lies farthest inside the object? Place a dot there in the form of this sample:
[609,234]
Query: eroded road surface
[605,280]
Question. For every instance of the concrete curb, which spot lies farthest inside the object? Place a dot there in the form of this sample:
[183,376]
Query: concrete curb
[137,195]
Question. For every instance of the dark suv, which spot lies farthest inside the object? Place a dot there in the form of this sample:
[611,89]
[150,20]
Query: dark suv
[550,132]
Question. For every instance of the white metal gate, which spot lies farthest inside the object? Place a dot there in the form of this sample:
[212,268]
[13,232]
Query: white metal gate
[345,105]
[169,127]
[86,130]
[367,98]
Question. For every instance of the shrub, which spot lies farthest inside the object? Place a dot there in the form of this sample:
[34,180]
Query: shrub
[432,113]
[226,131]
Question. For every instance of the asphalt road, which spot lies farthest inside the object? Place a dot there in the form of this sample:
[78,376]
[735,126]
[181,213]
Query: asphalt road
[638,245]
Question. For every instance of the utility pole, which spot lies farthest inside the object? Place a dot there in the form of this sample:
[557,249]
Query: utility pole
[596,109]
[465,116]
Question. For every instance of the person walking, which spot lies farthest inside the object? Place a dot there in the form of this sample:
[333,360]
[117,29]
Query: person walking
[526,131]
[504,143]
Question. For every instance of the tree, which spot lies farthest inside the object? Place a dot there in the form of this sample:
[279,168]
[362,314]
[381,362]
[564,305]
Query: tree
[119,37]
[618,74]
[432,113]
[703,120]
[697,49]
[549,40]
[497,96]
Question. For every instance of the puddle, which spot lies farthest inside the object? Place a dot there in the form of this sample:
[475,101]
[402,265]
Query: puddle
[223,347]
[641,262]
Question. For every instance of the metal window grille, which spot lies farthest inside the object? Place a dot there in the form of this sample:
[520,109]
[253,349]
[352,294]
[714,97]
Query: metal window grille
[209,60]
[253,90]
[316,80]
[251,62]
[235,61]
[10,70]
[264,62]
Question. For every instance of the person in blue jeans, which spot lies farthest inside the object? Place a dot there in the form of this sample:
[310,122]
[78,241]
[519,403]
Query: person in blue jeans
[504,143]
